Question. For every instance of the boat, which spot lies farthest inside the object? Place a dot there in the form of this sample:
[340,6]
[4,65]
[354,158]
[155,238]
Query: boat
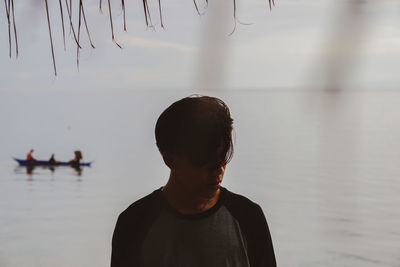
[23,162]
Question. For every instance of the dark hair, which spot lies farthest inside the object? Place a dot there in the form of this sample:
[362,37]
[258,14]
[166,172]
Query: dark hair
[197,128]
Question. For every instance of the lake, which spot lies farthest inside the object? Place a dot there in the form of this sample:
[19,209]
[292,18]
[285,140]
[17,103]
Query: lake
[323,165]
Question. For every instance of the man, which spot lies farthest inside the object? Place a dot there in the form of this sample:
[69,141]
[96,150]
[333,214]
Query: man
[29,156]
[77,159]
[52,159]
[193,221]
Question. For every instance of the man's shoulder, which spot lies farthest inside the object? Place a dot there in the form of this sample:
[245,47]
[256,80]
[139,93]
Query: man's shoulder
[254,227]
[238,201]
[244,210]
[131,227]
[142,206]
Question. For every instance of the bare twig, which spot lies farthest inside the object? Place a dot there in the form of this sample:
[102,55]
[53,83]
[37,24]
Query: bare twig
[87,28]
[7,7]
[123,10]
[271,3]
[236,20]
[234,16]
[79,33]
[51,38]
[15,29]
[112,26]
[70,15]
[10,14]
[161,19]
[62,23]
[70,23]
[147,14]
[197,8]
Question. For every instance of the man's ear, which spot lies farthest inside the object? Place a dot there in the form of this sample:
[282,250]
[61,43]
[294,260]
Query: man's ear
[169,159]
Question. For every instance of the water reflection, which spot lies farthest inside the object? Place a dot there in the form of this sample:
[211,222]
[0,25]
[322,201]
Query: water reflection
[30,170]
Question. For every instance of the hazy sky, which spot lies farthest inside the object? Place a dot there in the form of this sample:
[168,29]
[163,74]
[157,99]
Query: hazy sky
[299,44]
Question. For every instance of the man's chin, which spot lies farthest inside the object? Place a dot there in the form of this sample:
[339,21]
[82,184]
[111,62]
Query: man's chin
[210,191]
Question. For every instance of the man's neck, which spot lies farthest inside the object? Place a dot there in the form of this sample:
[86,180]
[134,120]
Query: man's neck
[187,202]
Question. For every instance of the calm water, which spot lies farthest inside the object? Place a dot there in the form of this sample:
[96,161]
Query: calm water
[324,167]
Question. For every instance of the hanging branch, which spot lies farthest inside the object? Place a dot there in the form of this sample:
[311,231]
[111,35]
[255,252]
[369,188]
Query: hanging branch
[79,33]
[9,24]
[69,10]
[234,17]
[70,15]
[270,2]
[197,8]
[10,13]
[147,14]
[159,8]
[86,25]
[123,10]
[236,20]
[15,29]
[62,23]
[112,26]
[51,38]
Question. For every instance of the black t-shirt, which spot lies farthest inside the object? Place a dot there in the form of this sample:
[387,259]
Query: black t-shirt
[233,232]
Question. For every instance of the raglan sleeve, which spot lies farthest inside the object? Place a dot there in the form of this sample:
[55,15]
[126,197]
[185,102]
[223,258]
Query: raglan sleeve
[117,251]
[130,231]
[126,242]
[262,250]
[254,228]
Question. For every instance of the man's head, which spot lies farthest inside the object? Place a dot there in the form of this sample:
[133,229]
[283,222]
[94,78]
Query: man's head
[194,136]
[197,129]
[78,154]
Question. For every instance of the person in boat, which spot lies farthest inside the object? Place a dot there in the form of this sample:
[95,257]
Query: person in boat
[29,156]
[193,220]
[77,159]
[52,160]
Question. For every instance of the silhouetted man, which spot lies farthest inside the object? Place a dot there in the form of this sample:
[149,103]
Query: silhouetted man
[192,220]
[29,156]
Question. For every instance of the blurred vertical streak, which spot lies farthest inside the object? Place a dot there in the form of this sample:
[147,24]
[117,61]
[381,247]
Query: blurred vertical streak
[338,117]
[344,42]
[212,62]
